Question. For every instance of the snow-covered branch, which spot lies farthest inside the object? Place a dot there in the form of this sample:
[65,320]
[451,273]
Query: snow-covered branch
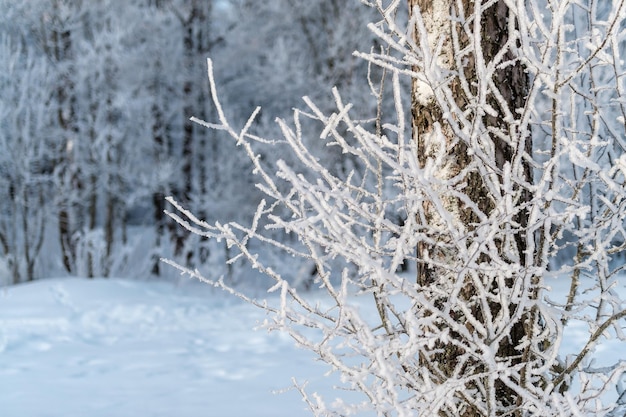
[504,191]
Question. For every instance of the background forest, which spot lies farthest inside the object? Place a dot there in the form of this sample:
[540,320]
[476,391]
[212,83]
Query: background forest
[122,145]
[95,129]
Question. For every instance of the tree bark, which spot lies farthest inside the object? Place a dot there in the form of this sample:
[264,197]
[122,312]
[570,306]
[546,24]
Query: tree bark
[427,119]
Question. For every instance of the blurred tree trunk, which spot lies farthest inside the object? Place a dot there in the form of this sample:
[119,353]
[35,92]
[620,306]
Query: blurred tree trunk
[197,43]
[158,196]
[57,41]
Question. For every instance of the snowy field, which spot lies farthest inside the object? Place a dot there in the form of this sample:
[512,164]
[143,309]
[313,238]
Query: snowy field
[89,348]
[109,348]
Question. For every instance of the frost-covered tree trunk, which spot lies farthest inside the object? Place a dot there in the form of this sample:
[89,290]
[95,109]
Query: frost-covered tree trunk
[458,34]
[57,41]
[25,171]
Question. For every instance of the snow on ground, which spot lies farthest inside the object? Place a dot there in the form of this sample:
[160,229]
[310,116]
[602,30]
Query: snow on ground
[78,347]
[116,348]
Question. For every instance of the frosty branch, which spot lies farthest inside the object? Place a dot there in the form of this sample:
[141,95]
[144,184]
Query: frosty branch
[512,180]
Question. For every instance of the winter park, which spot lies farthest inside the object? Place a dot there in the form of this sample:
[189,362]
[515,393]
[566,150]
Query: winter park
[387,208]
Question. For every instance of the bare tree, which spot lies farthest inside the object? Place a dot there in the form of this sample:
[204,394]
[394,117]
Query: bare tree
[495,220]
[57,40]
[25,171]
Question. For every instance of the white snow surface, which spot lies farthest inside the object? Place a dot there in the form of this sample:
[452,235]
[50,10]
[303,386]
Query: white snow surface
[108,347]
[76,347]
